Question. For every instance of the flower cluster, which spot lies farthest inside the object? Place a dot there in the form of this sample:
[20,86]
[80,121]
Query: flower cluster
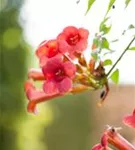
[63,68]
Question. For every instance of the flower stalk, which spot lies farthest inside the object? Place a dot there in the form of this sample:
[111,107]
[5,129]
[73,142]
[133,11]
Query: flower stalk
[121,56]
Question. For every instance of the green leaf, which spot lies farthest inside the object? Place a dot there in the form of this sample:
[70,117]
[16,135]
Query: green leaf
[96,42]
[132,48]
[103,27]
[110,5]
[127,2]
[107,62]
[131,26]
[105,44]
[95,56]
[90,3]
[104,21]
[115,76]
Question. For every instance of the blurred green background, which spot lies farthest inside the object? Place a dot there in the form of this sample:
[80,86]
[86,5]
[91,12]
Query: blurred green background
[67,123]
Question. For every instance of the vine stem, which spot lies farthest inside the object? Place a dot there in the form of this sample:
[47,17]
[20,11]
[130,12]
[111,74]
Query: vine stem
[120,56]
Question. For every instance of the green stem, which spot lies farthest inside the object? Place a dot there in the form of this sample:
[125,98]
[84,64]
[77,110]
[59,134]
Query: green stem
[120,56]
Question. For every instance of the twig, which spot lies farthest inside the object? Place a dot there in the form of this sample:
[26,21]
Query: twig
[120,56]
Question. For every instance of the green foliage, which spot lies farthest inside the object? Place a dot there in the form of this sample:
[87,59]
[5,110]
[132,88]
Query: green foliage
[107,62]
[90,3]
[131,26]
[110,5]
[127,2]
[96,42]
[105,44]
[115,76]
[103,27]
[132,48]
[94,56]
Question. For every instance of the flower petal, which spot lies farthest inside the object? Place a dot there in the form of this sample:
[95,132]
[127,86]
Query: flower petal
[97,147]
[70,69]
[65,85]
[42,43]
[51,65]
[52,48]
[42,50]
[70,31]
[36,74]
[104,140]
[32,93]
[129,121]
[35,96]
[64,47]
[83,33]
[50,87]
[81,46]
[43,60]
[31,107]
[47,48]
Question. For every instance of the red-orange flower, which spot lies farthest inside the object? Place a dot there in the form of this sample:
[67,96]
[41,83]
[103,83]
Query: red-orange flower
[97,147]
[103,145]
[36,96]
[47,49]
[73,40]
[130,120]
[58,75]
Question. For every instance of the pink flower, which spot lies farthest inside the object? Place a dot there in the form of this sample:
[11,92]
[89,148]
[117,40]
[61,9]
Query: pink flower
[103,144]
[130,120]
[58,75]
[36,96]
[73,40]
[47,49]
[97,147]
[36,74]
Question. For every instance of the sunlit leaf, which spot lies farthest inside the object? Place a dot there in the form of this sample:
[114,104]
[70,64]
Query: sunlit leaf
[127,2]
[131,26]
[115,76]
[95,44]
[90,3]
[132,48]
[105,43]
[107,62]
[110,5]
[95,56]
[105,19]
[103,27]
